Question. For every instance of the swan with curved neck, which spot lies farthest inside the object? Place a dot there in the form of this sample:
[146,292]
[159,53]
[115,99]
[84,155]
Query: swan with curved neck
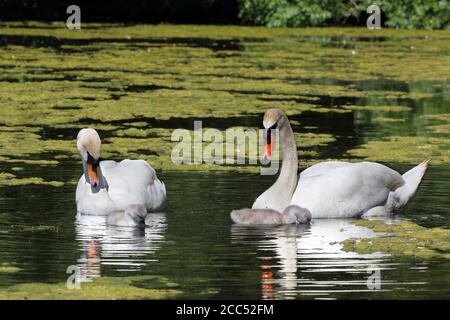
[334,189]
[89,147]
[279,195]
[107,186]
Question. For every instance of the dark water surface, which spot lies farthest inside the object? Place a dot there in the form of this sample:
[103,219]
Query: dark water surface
[195,244]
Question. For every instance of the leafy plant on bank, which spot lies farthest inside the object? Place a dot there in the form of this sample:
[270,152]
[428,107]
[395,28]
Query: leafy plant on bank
[420,14]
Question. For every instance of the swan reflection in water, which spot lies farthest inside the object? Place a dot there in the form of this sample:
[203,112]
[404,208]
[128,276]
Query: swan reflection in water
[308,260]
[123,248]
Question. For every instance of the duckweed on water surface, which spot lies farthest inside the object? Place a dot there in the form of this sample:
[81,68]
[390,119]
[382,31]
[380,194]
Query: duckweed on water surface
[8,268]
[104,288]
[35,228]
[403,238]
[9,179]
[136,84]
[405,149]
[444,119]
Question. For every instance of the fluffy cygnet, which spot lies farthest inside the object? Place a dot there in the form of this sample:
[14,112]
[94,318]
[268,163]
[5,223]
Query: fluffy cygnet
[292,214]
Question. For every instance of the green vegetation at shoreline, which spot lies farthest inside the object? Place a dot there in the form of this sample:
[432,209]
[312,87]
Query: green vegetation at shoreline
[412,14]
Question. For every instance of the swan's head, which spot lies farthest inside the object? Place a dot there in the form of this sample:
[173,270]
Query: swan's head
[298,214]
[273,119]
[89,146]
[89,143]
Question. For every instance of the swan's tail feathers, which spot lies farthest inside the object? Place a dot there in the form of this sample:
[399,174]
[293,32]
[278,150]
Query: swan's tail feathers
[157,192]
[400,197]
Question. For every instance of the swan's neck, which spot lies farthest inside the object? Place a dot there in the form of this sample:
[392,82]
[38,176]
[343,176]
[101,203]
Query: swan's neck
[279,195]
[287,180]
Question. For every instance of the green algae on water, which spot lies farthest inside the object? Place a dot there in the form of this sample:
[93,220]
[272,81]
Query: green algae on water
[9,268]
[403,238]
[36,228]
[139,82]
[405,149]
[104,288]
[379,108]
[9,179]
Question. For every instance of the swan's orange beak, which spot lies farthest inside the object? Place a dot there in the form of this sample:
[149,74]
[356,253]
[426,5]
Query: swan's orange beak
[267,151]
[93,177]
[267,146]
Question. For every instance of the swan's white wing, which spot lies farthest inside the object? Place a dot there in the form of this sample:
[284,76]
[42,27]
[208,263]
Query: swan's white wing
[346,190]
[321,168]
[133,182]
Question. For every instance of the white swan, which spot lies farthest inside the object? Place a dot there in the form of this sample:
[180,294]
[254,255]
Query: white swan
[334,189]
[108,186]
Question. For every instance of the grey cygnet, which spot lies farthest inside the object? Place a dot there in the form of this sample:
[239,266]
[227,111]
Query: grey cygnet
[292,214]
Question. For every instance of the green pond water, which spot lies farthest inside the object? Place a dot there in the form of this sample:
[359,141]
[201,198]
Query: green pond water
[350,94]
